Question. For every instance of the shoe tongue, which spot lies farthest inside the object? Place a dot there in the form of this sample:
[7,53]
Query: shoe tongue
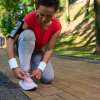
[27,74]
[28,78]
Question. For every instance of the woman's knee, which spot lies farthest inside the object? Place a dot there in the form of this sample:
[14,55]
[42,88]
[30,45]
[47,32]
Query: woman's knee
[47,79]
[27,35]
[37,57]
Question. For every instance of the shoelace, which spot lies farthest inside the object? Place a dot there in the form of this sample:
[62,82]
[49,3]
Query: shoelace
[27,75]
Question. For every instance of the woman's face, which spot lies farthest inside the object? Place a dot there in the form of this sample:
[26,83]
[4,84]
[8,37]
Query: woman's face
[46,14]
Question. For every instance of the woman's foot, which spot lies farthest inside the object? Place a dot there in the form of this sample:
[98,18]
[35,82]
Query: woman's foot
[27,83]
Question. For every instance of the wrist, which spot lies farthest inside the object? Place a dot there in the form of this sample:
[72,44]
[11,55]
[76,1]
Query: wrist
[39,70]
[14,68]
[13,63]
[42,66]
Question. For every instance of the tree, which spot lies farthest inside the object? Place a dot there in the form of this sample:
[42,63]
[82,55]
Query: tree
[8,12]
[8,15]
[67,11]
[34,4]
[97,24]
[30,5]
[86,8]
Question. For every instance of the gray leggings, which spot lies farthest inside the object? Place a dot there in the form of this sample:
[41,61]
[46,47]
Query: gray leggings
[24,49]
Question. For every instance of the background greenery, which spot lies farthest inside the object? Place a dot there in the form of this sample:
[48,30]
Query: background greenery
[77,37]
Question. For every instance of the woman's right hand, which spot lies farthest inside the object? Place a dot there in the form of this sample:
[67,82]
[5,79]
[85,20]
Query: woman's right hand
[19,74]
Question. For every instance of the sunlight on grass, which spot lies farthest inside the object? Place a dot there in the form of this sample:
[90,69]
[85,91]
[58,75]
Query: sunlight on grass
[78,38]
[77,53]
[63,19]
[73,12]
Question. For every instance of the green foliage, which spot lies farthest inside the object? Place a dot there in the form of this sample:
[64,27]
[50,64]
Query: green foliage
[29,5]
[91,13]
[9,13]
[62,3]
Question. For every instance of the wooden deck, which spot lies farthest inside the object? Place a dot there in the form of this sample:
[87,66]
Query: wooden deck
[74,80]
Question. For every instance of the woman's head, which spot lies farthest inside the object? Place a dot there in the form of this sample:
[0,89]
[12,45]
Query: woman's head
[47,10]
[49,3]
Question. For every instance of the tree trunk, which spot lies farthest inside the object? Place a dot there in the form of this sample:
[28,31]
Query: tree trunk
[67,11]
[34,5]
[97,24]
[87,10]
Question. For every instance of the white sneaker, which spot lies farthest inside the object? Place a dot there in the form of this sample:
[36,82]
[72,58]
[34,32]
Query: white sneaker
[27,83]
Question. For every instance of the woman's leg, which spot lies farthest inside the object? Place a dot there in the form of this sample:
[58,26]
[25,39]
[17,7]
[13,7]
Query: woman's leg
[24,49]
[26,44]
[48,74]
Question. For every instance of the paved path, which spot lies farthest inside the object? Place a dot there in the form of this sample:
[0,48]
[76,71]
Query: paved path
[9,90]
[74,80]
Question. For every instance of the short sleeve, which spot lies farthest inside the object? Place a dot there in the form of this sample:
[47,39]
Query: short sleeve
[57,26]
[29,19]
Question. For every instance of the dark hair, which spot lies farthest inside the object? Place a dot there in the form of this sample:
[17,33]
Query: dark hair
[49,3]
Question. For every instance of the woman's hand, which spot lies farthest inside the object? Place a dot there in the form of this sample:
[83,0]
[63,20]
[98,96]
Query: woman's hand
[37,73]
[19,74]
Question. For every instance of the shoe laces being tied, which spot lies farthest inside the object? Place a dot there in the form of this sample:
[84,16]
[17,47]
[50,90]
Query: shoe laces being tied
[28,78]
[27,83]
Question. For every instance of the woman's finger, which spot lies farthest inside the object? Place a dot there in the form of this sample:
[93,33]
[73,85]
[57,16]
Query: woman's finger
[33,74]
[38,77]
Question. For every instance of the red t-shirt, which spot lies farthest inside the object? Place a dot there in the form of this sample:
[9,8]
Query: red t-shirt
[42,36]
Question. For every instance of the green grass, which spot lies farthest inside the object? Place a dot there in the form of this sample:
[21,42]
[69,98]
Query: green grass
[68,46]
[74,13]
[77,53]
[81,40]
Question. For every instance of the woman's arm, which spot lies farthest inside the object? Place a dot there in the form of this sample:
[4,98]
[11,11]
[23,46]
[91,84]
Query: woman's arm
[48,52]
[50,47]
[11,42]
[11,52]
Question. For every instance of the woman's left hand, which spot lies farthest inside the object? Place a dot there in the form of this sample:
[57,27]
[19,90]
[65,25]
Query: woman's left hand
[37,73]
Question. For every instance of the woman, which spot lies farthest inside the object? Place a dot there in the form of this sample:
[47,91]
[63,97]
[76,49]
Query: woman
[40,28]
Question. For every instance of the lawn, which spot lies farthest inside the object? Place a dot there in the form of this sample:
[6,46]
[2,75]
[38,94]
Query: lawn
[78,37]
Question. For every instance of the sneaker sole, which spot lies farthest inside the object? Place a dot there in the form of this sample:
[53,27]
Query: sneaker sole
[24,88]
